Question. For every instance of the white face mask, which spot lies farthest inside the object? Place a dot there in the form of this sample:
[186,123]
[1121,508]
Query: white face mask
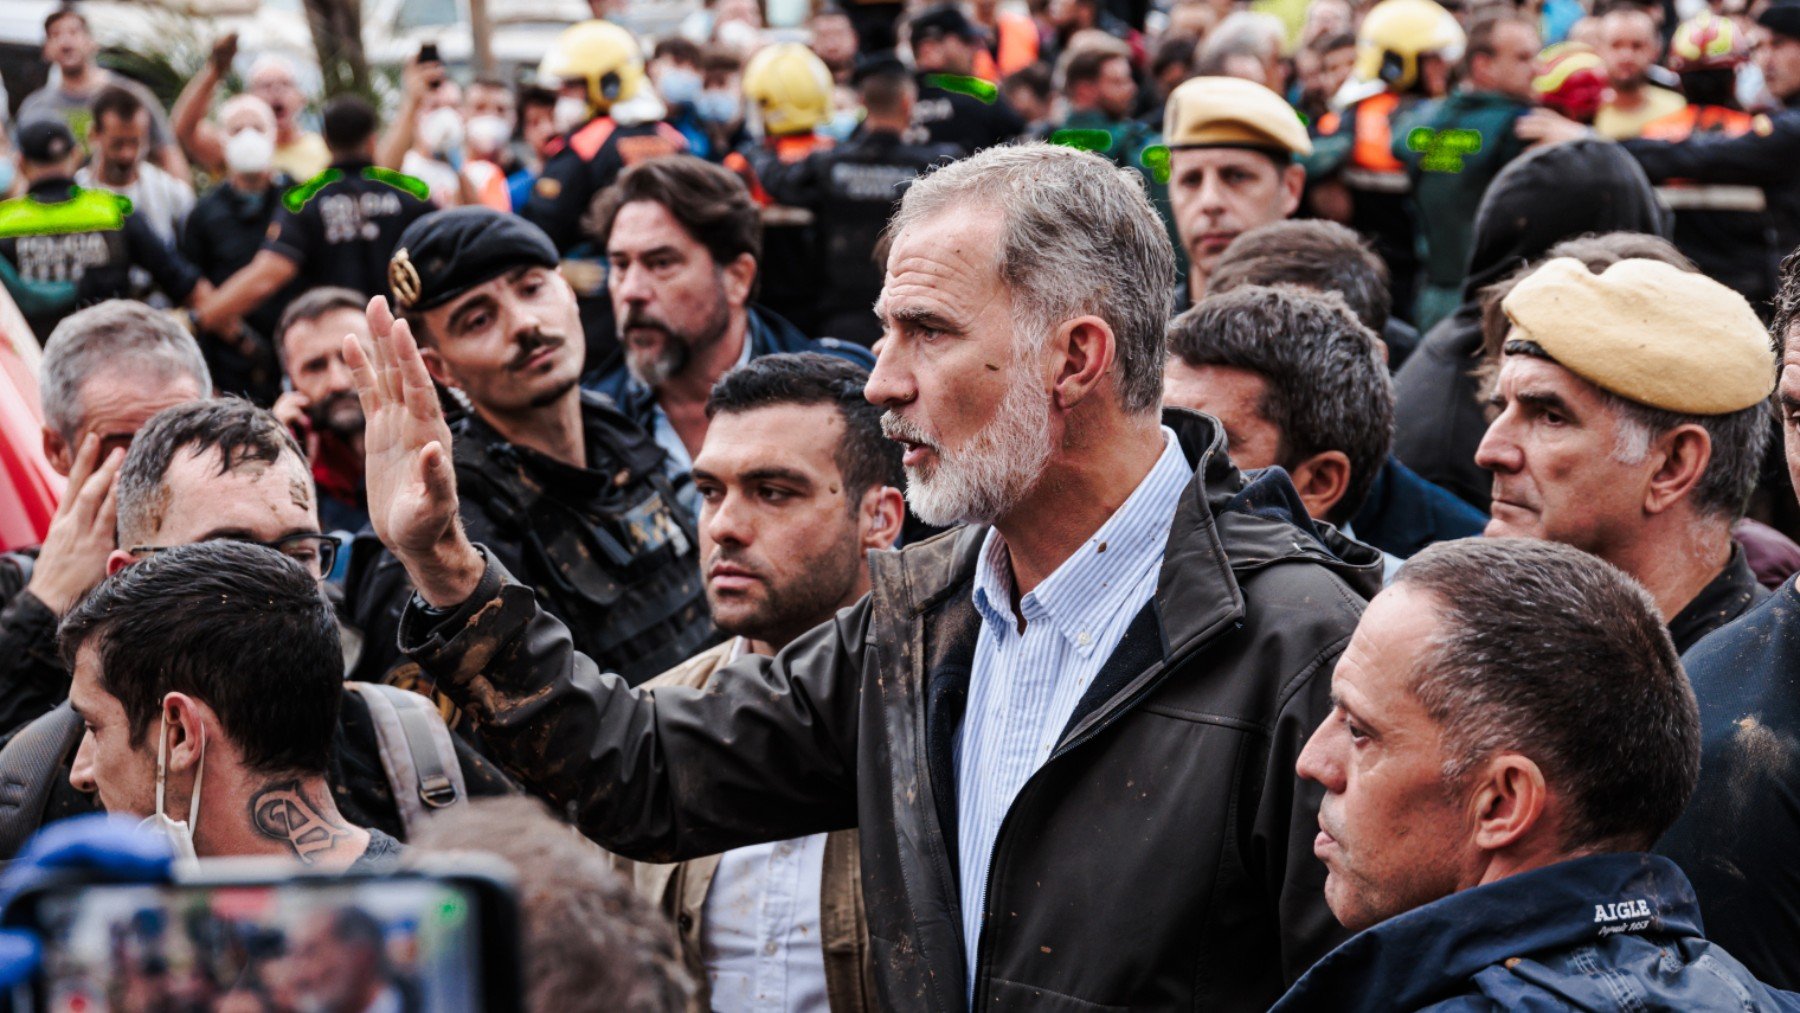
[488,134]
[570,112]
[442,130]
[249,151]
[180,834]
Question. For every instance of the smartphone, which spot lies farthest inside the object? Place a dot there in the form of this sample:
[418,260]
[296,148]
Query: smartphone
[245,935]
[428,53]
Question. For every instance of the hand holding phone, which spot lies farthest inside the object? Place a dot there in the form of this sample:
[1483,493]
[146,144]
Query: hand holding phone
[442,937]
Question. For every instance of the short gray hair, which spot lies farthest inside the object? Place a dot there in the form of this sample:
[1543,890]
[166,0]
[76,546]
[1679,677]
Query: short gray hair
[118,335]
[1739,440]
[1078,236]
[1557,655]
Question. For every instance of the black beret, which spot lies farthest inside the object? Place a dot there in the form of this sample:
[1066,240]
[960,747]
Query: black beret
[446,253]
[1782,19]
[45,141]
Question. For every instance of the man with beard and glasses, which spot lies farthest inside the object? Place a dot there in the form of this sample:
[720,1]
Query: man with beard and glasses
[798,486]
[320,405]
[1065,732]
[571,494]
[683,239]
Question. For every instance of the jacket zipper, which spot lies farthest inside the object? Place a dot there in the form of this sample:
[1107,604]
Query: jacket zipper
[987,886]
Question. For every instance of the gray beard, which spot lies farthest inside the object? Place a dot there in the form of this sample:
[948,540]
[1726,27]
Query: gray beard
[985,480]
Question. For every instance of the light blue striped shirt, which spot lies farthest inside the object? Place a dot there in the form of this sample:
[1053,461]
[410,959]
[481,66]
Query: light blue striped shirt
[1024,686]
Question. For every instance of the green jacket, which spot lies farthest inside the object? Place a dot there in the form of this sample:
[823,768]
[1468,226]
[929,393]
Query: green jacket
[1453,149]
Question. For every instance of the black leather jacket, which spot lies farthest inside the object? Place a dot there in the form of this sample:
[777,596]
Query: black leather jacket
[1160,858]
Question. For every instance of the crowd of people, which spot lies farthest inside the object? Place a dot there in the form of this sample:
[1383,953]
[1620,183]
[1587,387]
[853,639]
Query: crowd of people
[1095,504]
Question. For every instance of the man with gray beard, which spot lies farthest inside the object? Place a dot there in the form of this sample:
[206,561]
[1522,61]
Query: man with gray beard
[683,239]
[1065,732]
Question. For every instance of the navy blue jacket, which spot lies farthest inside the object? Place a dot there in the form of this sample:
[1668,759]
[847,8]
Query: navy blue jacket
[1740,833]
[1605,932]
[1404,513]
[769,334]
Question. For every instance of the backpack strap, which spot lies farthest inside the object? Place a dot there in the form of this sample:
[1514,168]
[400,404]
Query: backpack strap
[416,751]
[30,765]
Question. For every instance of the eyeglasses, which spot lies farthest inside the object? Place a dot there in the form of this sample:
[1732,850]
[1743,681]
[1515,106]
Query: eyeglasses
[311,549]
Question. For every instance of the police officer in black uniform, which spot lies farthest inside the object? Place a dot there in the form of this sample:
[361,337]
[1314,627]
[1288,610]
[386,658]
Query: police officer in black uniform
[943,44]
[591,522]
[342,235]
[66,246]
[851,190]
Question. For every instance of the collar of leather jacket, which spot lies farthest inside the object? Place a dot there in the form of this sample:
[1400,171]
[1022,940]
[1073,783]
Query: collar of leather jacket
[1228,523]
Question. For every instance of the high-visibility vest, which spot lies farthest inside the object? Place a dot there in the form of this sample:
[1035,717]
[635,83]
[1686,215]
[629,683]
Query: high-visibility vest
[1681,195]
[1018,48]
[1691,120]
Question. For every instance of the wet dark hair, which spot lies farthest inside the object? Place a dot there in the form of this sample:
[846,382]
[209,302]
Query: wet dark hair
[1325,384]
[709,201]
[239,430]
[865,458]
[116,102]
[349,122]
[1554,654]
[239,626]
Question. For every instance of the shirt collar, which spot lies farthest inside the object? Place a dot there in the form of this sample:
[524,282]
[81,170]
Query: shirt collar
[1081,596]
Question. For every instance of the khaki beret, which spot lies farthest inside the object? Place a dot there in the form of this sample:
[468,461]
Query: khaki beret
[1229,112]
[1648,332]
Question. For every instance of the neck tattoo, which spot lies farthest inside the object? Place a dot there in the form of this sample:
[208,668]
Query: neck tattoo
[282,812]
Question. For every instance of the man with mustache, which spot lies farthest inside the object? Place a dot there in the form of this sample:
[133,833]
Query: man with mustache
[797,486]
[683,240]
[1632,413]
[321,406]
[573,495]
[1510,732]
[1065,732]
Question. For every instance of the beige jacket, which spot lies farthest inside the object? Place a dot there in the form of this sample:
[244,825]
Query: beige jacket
[679,890]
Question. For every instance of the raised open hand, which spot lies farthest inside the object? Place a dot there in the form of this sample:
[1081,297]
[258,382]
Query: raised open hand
[406,450]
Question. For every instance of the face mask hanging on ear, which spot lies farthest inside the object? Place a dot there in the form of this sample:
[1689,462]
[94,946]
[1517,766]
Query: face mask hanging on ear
[180,834]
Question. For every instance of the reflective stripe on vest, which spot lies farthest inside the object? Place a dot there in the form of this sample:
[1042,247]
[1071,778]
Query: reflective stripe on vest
[1714,197]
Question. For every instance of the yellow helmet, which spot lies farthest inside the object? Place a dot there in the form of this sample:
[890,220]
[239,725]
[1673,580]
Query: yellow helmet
[790,86]
[1396,33]
[602,54]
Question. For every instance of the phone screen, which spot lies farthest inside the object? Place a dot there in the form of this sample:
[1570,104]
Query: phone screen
[395,945]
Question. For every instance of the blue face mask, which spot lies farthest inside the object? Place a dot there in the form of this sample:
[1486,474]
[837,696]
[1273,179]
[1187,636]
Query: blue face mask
[6,176]
[842,124]
[679,86]
[718,106]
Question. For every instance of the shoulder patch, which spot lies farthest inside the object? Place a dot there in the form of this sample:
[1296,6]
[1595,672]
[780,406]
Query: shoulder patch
[547,187]
[1762,125]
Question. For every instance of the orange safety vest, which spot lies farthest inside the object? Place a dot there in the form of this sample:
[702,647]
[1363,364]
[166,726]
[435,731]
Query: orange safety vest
[790,149]
[1018,48]
[489,184]
[1691,120]
[1374,148]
